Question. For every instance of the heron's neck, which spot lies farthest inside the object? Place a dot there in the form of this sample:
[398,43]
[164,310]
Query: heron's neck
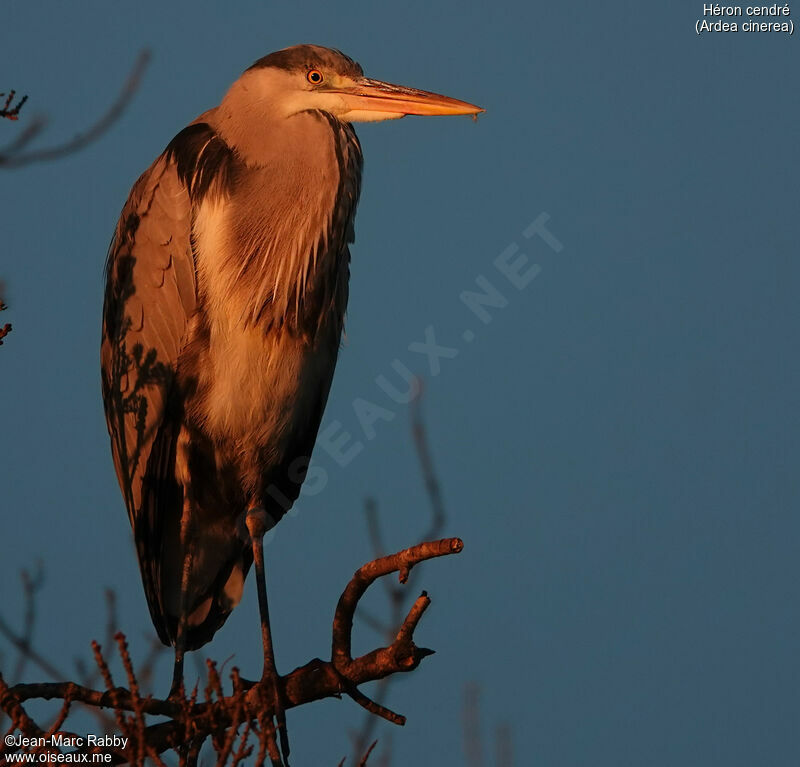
[253,122]
[280,241]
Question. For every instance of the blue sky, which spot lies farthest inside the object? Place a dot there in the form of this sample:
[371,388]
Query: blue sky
[617,444]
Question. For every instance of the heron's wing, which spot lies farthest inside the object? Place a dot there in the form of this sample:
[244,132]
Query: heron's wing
[150,296]
[150,300]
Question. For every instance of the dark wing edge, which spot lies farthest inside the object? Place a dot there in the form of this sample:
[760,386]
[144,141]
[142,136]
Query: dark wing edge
[149,298]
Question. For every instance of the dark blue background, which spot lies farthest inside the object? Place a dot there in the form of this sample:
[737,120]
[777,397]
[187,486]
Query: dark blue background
[617,446]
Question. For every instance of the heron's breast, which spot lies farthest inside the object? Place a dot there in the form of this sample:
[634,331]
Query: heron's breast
[261,379]
[270,246]
[263,388]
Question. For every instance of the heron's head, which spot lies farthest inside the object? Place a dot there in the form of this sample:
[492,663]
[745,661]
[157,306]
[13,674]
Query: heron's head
[305,78]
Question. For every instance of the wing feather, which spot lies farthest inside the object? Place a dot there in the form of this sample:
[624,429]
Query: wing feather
[149,299]
[150,296]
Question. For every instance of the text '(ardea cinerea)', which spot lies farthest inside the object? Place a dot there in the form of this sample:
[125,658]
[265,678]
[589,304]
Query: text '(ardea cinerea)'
[227,284]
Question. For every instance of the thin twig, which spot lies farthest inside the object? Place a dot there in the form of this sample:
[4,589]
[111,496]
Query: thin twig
[505,752]
[9,112]
[30,585]
[429,475]
[12,156]
[364,759]
[398,596]
[190,722]
[19,643]
[473,741]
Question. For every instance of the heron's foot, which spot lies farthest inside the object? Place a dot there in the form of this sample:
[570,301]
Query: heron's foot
[176,693]
[275,727]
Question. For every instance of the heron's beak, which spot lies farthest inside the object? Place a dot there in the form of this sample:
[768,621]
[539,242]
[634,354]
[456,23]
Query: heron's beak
[368,100]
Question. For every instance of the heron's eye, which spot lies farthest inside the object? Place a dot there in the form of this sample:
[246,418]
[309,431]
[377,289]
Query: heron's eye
[314,76]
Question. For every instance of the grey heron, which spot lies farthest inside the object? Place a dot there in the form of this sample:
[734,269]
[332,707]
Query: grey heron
[226,288]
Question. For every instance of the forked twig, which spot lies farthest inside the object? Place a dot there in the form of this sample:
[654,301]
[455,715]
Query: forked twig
[190,721]
[9,112]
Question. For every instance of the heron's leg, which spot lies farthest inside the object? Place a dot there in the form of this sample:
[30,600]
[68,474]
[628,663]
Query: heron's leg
[257,526]
[183,603]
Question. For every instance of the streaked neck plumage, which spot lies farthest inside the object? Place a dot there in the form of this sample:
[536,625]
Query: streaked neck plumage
[276,196]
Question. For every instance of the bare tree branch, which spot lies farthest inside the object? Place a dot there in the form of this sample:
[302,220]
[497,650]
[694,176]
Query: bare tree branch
[22,646]
[505,752]
[9,112]
[30,585]
[398,597]
[473,740]
[220,717]
[420,434]
[12,155]
[474,751]
[364,759]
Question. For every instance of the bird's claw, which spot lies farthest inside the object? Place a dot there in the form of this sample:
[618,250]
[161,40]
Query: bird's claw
[274,725]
